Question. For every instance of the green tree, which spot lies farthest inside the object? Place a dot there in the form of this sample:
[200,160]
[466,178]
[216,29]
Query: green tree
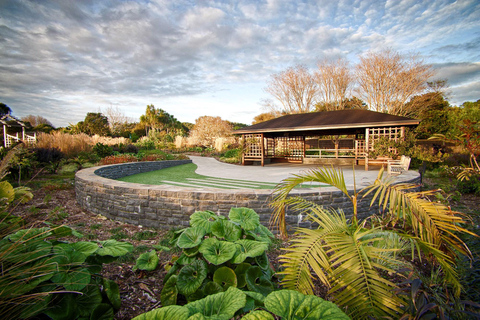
[433,111]
[4,109]
[94,123]
[467,111]
[159,120]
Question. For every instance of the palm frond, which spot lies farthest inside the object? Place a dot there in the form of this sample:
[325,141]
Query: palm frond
[346,258]
[283,189]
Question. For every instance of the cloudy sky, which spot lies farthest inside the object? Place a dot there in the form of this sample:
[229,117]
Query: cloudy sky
[64,58]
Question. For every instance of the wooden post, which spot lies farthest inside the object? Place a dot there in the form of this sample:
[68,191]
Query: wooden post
[366,148]
[5,135]
[304,149]
[262,148]
[243,151]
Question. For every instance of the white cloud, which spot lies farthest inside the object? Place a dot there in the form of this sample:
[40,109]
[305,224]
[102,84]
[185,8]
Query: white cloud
[198,57]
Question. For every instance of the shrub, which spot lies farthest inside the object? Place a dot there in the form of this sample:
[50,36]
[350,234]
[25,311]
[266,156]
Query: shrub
[472,185]
[125,148]
[153,157]
[123,158]
[102,150]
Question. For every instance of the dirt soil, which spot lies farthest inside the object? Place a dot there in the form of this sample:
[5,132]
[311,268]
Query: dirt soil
[140,291]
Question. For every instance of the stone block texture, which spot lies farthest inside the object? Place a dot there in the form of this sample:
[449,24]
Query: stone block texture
[166,207]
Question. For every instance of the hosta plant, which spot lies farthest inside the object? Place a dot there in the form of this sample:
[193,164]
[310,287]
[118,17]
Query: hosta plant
[218,253]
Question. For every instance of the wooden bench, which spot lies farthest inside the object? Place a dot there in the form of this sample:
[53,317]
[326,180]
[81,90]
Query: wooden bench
[396,167]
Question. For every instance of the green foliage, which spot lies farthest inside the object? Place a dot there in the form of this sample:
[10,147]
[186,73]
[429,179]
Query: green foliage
[352,258]
[102,150]
[285,304]
[217,253]
[94,123]
[42,274]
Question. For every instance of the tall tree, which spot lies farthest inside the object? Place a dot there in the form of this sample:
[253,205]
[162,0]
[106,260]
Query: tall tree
[95,123]
[207,129]
[120,124]
[294,88]
[334,80]
[262,117]
[159,120]
[387,80]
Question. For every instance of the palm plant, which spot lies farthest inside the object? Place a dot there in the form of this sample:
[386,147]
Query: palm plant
[352,257]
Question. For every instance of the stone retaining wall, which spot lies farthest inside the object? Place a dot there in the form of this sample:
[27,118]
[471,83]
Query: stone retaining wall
[166,207]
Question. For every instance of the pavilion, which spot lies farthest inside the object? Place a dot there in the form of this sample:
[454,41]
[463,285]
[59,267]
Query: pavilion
[332,137]
[10,138]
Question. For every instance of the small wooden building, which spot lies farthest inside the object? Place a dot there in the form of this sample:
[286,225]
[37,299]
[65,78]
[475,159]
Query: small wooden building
[334,137]
[14,131]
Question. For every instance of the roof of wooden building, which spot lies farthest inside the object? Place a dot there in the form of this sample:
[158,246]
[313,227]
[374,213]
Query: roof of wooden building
[329,120]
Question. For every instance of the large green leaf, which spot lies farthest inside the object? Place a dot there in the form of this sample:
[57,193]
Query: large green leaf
[246,218]
[225,277]
[289,304]
[64,309]
[87,248]
[211,288]
[191,277]
[169,292]
[6,192]
[257,281]
[248,249]
[227,230]
[258,315]
[90,298]
[112,291]
[147,261]
[191,237]
[216,251]
[219,306]
[261,233]
[241,271]
[103,311]
[113,248]
[203,219]
[165,313]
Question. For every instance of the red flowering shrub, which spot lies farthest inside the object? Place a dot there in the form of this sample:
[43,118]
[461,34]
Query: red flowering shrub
[122,158]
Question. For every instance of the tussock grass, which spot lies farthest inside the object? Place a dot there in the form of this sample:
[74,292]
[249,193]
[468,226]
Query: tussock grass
[72,144]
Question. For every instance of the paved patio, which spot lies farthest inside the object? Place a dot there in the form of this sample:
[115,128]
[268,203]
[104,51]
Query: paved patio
[276,172]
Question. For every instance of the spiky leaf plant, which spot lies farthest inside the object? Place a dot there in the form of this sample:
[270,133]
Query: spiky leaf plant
[352,257]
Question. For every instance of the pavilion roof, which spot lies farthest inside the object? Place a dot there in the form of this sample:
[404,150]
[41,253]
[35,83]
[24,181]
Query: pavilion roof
[329,120]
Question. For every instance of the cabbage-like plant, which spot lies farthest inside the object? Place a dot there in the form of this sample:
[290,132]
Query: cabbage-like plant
[217,253]
[286,304]
[352,257]
[42,275]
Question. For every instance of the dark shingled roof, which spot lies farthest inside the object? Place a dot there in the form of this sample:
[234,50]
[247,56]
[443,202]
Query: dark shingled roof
[341,119]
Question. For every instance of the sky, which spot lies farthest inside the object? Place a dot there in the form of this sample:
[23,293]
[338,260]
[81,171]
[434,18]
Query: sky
[61,59]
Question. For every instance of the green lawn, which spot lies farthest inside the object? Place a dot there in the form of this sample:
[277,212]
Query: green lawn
[184,175]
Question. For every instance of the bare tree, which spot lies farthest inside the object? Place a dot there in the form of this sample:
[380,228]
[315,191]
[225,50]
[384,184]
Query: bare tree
[117,119]
[295,89]
[36,120]
[334,80]
[207,129]
[387,80]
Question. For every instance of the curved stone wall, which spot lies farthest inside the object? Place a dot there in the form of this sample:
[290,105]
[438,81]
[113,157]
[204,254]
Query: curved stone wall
[163,206]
